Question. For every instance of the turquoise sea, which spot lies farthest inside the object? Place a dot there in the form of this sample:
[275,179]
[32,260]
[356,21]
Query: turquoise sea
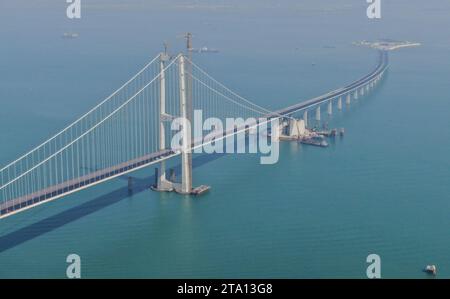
[318,213]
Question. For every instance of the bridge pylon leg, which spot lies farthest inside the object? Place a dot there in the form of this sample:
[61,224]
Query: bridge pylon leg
[186,153]
[186,172]
[162,183]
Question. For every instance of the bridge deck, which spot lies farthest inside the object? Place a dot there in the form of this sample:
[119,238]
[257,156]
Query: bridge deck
[380,68]
[81,182]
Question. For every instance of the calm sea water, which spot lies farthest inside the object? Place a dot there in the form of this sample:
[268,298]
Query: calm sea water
[383,188]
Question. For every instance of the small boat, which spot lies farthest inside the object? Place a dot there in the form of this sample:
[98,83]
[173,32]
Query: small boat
[70,35]
[431,269]
[205,50]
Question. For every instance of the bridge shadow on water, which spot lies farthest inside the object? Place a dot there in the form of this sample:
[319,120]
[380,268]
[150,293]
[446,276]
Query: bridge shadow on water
[51,223]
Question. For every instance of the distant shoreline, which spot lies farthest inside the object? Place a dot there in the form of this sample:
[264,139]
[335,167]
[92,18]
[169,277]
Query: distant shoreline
[387,45]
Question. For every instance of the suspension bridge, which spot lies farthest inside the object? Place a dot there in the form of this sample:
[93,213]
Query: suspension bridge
[130,130]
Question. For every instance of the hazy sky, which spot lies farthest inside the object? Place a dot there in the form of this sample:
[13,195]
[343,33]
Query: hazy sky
[407,17]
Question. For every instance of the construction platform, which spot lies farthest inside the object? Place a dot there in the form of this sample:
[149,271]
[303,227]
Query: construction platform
[195,191]
[200,190]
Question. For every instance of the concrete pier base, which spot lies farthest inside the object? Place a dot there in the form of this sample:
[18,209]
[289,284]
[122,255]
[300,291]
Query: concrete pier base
[161,183]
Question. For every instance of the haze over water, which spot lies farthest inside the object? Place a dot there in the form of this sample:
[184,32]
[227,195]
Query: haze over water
[383,188]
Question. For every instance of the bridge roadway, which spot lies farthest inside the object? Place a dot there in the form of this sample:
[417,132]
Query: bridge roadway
[383,63]
[54,192]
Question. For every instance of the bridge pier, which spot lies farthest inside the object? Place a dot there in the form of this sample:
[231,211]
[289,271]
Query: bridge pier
[330,107]
[347,101]
[340,103]
[356,94]
[186,174]
[162,183]
[362,91]
[318,113]
[305,117]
